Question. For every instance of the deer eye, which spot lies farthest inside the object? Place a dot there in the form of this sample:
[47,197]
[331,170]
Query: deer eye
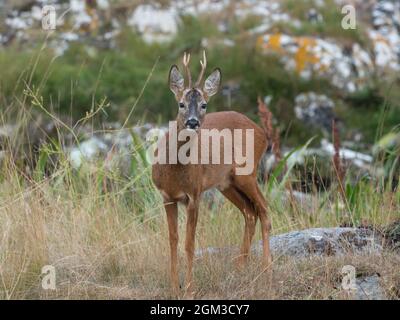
[204,106]
[181,105]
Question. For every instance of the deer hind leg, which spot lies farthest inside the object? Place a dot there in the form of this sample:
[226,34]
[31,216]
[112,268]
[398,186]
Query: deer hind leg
[248,185]
[172,217]
[250,218]
[192,215]
[265,229]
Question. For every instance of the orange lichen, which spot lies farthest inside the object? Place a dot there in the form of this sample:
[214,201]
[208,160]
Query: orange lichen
[275,42]
[302,57]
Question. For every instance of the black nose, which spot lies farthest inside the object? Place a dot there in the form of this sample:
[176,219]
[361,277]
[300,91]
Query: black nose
[192,123]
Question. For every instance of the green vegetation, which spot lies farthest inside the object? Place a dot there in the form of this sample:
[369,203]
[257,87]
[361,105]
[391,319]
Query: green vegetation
[329,27]
[105,230]
[76,82]
[106,234]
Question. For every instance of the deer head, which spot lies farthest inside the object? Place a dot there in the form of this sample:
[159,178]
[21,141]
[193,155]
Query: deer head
[192,100]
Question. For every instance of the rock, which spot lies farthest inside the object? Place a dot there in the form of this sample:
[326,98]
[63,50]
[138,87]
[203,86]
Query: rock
[316,110]
[369,288]
[347,67]
[160,24]
[88,150]
[156,24]
[359,159]
[81,15]
[315,241]
[76,20]
[19,22]
[314,16]
[385,35]
[323,241]
[116,149]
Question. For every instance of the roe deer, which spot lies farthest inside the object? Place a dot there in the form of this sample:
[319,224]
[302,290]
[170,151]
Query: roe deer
[185,183]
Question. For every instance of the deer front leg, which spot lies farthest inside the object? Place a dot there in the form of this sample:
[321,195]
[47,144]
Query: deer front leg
[172,217]
[192,214]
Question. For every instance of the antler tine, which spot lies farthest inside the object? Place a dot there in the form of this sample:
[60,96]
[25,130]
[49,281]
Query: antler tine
[203,68]
[186,59]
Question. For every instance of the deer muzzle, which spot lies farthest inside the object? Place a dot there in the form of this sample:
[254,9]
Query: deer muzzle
[192,123]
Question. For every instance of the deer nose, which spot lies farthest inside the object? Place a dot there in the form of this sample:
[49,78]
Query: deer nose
[192,123]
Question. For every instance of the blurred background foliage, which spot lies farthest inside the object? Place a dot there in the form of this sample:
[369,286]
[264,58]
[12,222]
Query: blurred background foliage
[75,82]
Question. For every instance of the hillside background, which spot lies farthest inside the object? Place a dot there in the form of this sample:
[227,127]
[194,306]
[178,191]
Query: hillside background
[283,50]
[77,105]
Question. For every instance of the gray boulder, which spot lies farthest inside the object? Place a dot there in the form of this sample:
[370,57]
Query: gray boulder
[323,241]
[369,288]
[315,241]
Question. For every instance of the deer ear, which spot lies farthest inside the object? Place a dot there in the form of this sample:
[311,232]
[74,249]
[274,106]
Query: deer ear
[176,81]
[211,85]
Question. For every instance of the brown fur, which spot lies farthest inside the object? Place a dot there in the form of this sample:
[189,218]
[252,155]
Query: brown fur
[185,184]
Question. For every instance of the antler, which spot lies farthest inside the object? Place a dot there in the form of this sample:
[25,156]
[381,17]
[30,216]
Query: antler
[203,68]
[186,59]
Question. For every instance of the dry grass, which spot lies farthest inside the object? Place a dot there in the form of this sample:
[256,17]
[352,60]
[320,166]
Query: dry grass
[107,236]
[101,249]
